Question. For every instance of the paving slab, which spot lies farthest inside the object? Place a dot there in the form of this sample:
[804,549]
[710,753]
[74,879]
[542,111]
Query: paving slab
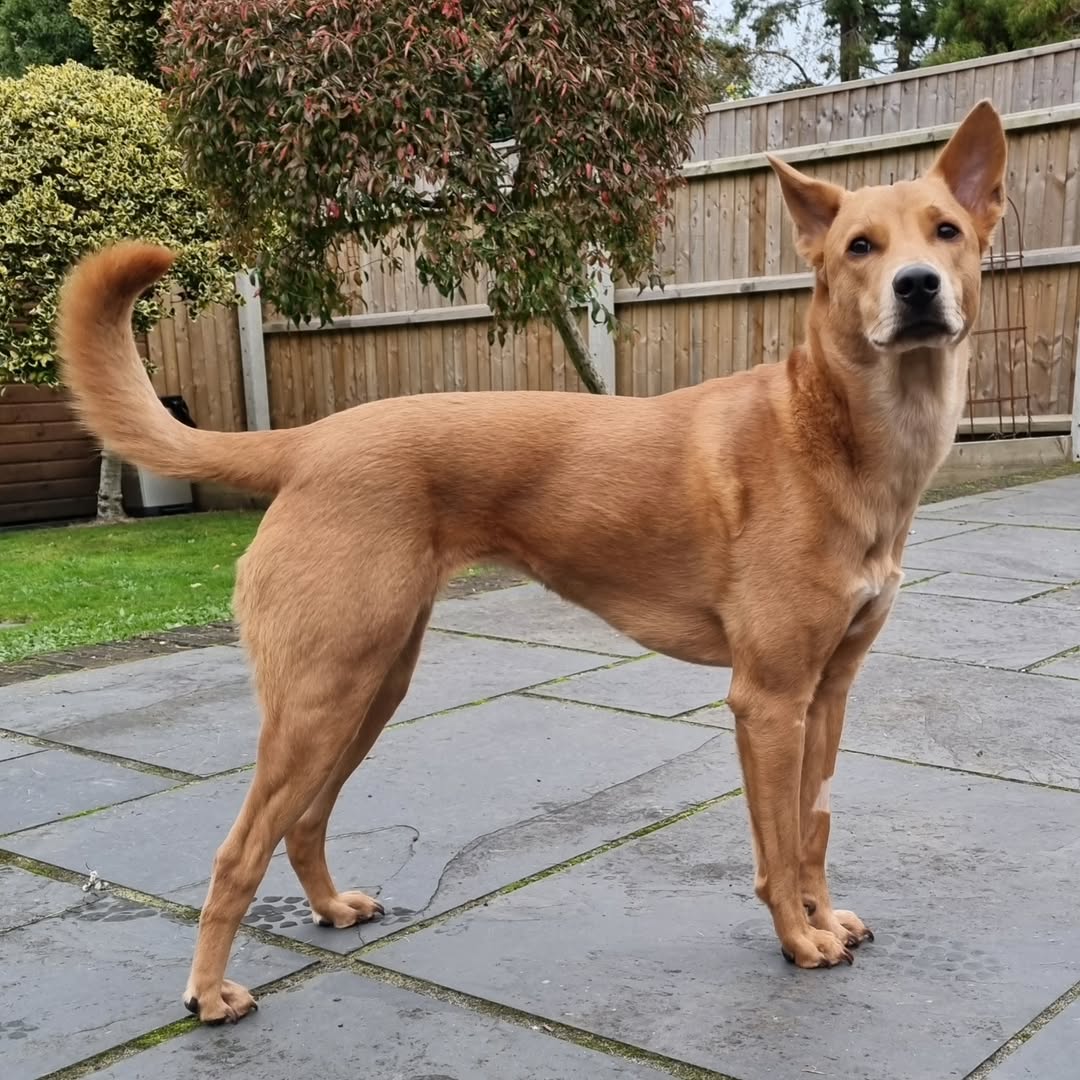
[532,613]
[925,528]
[968,883]
[37,788]
[1054,503]
[13,748]
[1050,1054]
[1021,726]
[342,1025]
[99,973]
[1068,597]
[1066,666]
[456,670]
[208,721]
[654,684]
[1010,551]
[445,810]
[913,574]
[977,632]
[979,587]
[52,705]
[25,897]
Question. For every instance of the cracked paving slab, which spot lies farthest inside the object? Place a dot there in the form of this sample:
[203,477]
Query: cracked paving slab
[202,718]
[1010,636]
[343,1025]
[442,812]
[96,972]
[968,883]
[1021,726]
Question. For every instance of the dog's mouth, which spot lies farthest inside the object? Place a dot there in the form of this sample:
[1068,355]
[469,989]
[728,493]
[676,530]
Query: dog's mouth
[919,331]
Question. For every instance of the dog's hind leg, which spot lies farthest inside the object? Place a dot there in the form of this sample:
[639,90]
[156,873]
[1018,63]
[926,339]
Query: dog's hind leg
[319,665]
[306,840]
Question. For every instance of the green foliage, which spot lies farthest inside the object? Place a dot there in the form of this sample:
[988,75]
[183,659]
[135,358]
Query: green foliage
[966,29]
[126,33]
[34,32]
[86,159]
[313,121]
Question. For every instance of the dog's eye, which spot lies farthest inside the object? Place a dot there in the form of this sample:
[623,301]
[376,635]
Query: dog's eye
[860,246]
[947,231]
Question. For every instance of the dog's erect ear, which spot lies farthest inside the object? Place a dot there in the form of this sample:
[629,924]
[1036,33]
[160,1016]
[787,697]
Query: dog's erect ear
[973,167]
[813,205]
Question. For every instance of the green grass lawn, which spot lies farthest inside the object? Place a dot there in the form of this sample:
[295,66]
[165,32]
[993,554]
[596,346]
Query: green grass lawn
[87,585]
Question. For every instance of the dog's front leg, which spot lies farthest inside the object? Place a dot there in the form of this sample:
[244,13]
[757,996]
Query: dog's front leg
[769,729]
[825,724]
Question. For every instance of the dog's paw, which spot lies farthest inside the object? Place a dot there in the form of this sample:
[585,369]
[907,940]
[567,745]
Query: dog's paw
[347,909]
[816,949]
[845,925]
[231,1003]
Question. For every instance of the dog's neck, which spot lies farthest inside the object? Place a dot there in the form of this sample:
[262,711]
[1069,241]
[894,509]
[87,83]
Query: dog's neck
[891,418]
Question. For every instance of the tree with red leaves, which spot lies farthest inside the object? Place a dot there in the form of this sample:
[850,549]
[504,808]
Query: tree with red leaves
[526,145]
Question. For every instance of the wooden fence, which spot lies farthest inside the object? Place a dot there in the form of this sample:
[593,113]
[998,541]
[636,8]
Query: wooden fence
[48,464]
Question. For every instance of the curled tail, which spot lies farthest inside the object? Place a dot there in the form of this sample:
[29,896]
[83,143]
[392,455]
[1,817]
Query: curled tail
[114,397]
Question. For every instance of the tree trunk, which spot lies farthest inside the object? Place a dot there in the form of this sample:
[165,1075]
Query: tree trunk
[578,348]
[110,503]
[851,46]
[907,35]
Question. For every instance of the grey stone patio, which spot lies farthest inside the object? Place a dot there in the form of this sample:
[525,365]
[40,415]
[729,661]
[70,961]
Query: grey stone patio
[555,827]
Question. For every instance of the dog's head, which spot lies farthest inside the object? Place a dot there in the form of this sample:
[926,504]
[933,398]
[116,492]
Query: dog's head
[902,263]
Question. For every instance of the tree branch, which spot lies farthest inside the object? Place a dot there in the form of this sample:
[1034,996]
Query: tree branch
[563,319]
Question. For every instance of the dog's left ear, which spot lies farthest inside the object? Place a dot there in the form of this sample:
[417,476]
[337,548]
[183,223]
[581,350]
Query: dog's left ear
[973,167]
[813,204]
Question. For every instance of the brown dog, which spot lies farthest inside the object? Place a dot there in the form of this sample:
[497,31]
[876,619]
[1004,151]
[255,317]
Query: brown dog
[755,521]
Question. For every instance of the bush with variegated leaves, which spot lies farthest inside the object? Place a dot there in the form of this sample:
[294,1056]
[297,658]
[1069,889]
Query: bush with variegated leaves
[86,158]
[126,33]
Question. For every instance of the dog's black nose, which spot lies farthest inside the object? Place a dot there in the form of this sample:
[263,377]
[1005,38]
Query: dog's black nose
[917,285]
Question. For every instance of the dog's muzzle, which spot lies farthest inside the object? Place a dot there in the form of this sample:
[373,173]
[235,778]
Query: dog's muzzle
[917,289]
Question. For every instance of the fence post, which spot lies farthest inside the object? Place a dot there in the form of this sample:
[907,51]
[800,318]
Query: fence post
[252,354]
[1076,398]
[601,341]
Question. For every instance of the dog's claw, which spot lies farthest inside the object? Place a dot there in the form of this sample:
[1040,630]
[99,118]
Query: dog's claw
[379,909]
[192,1005]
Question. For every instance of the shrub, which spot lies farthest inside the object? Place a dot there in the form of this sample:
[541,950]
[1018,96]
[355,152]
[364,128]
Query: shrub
[321,121]
[85,160]
[36,32]
[125,32]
